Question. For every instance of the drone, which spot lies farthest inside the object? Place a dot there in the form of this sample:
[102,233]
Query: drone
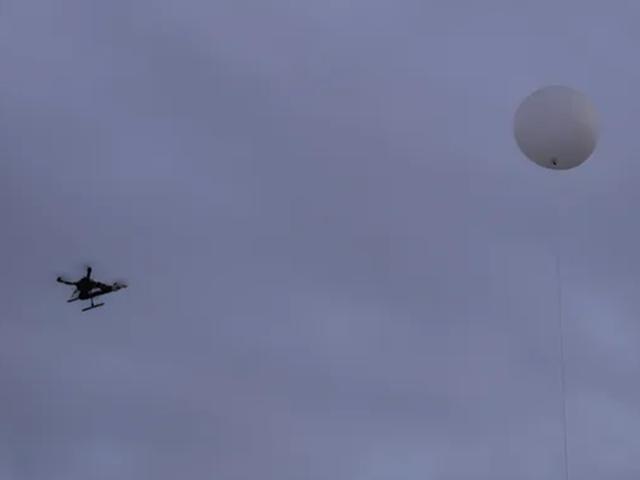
[88,289]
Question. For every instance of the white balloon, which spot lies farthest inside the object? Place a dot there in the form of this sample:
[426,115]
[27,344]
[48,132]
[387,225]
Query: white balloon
[556,127]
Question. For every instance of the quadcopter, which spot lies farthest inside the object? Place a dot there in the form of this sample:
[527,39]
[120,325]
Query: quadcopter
[88,289]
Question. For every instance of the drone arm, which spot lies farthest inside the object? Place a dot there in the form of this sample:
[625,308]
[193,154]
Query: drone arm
[66,282]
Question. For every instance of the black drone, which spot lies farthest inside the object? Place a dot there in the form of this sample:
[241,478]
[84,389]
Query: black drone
[88,289]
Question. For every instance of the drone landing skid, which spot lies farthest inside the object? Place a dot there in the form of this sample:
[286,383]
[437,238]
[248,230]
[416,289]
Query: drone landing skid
[92,306]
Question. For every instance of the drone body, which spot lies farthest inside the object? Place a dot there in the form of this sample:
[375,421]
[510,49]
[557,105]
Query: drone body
[88,289]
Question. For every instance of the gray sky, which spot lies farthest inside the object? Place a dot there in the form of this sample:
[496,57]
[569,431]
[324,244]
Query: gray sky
[341,266]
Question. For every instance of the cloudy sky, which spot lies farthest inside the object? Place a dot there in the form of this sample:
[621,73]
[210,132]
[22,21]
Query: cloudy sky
[340,265]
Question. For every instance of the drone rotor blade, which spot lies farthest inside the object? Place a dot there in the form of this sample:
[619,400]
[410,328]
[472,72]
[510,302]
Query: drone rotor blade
[63,280]
[82,266]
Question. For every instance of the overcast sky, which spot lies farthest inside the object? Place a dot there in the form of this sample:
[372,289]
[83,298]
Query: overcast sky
[340,265]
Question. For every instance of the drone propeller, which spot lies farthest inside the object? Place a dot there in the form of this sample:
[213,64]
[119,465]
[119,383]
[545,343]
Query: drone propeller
[61,278]
[82,266]
[97,274]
